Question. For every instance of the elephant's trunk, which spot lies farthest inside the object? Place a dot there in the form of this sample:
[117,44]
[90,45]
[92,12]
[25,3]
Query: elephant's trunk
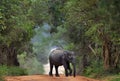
[74,69]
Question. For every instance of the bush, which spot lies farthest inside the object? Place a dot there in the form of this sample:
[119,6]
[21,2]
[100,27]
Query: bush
[11,70]
[3,70]
[31,64]
[16,71]
[1,79]
[116,79]
[94,70]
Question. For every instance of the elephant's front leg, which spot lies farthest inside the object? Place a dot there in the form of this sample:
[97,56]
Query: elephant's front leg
[56,68]
[66,69]
[70,70]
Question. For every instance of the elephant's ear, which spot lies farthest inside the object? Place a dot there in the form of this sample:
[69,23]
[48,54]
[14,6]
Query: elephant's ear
[65,53]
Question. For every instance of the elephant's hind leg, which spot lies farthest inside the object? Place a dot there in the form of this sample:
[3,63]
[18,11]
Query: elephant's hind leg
[51,68]
[57,74]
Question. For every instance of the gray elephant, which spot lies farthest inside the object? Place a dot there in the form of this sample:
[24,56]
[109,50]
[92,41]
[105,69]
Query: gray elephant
[60,57]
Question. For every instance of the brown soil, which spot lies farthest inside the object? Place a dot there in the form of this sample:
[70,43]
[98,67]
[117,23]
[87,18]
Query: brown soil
[47,78]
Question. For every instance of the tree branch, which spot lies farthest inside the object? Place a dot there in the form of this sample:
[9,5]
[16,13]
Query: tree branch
[92,49]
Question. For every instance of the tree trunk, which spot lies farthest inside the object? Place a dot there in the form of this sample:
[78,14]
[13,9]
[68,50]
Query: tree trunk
[106,55]
[12,57]
[2,55]
[110,55]
[8,56]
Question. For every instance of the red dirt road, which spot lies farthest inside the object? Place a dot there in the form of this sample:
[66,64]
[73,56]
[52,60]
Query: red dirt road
[47,78]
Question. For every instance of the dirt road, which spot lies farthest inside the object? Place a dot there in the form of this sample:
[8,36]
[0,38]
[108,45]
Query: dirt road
[47,78]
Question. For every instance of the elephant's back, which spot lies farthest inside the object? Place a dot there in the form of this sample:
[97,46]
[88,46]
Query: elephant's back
[56,53]
[56,56]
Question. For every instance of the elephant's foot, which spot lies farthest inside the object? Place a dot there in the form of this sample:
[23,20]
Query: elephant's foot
[57,75]
[50,74]
[70,74]
[66,75]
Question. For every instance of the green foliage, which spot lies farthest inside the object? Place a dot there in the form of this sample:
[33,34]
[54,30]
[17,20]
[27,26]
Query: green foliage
[112,77]
[3,70]
[1,79]
[40,11]
[116,79]
[92,32]
[16,15]
[61,31]
[55,11]
[16,28]
[94,70]
[69,46]
[30,63]
[16,71]
[11,70]
[34,66]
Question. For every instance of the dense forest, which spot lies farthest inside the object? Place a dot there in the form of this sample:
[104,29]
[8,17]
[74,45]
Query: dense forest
[90,28]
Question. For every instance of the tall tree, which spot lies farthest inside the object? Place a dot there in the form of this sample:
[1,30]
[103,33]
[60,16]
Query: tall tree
[16,29]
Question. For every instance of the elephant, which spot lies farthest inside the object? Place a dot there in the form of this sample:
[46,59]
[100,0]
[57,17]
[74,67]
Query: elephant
[59,57]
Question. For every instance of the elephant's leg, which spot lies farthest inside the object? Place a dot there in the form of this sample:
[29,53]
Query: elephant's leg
[69,68]
[66,69]
[56,68]
[51,68]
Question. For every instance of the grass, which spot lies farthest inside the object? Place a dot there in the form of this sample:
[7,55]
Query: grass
[116,79]
[112,77]
[11,71]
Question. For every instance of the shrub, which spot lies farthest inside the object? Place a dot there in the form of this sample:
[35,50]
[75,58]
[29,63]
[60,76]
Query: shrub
[11,70]
[94,70]
[31,64]
[16,71]
[3,70]
[1,79]
[116,79]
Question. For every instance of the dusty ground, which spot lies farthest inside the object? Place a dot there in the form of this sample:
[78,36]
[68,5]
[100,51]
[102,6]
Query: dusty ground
[47,78]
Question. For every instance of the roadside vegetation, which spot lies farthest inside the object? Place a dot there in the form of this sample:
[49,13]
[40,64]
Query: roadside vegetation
[11,71]
[88,27]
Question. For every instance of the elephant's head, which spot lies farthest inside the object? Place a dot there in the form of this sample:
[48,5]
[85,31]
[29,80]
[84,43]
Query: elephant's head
[70,57]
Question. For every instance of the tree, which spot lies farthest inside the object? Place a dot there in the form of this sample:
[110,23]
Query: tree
[15,29]
[39,9]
